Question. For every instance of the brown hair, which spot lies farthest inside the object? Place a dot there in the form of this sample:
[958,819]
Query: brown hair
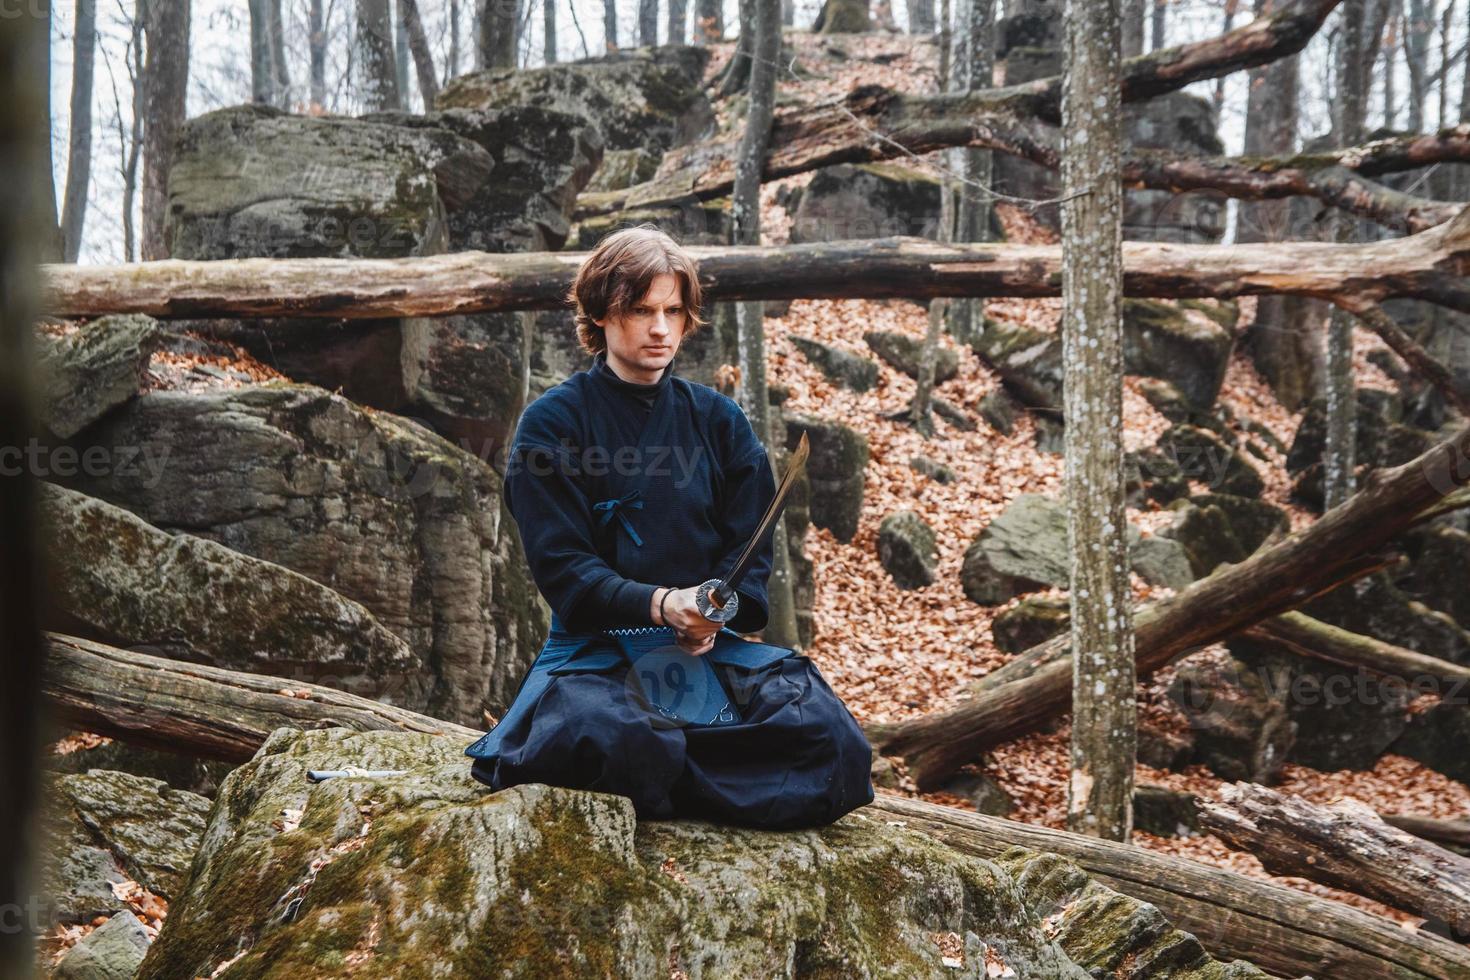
[620,270]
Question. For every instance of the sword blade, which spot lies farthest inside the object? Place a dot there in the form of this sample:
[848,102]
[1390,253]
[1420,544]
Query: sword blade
[721,593]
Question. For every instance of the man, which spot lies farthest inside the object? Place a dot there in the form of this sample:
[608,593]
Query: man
[631,486]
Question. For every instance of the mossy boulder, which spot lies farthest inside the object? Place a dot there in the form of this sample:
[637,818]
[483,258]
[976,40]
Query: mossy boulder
[1028,361]
[1183,346]
[906,549]
[1241,725]
[864,200]
[1439,556]
[112,951]
[837,470]
[933,469]
[431,874]
[1204,456]
[1033,620]
[903,353]
[104,828]
[367,504]
[838,366]
[89,369]
[126,582]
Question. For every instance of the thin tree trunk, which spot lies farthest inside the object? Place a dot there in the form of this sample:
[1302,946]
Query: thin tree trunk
[497,37]
[921,16]
[1339,453]
[134,143]
[1134,14]
[737,69]
[262,79]
[1418,23]
[1160,18]
[709,16]
[79,153]
[548,32]
[400,56]
[280,69]
[423,58]
[610,24]
[966,315]
[1229,24]
[165,83]
[317,47]
[1100,791]
[25,53]
[647,23]
[678,22]
[377,83]
[1391,43]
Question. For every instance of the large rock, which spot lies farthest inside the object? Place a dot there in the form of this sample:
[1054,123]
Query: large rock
[903,353]
[837,470]
[88,369]
[105,828]
[199,776]
[906,549]
[1435,573]
[864,200]
[1179,344]
[112,951]
[125,582]
[1025,549]
[1241,727]
[1032,621]
[837,365]
[1028,361]
[643,101]
[372,506]
[1376,607]
[429,874]
[1204,456]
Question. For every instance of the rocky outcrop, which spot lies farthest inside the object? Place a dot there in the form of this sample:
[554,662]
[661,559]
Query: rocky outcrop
[643,101]
[125,582]
[836,468]
[1241,727]
[1179,344]
[430,874]
[1206,457]
[906,549]
[112,951]
[837,365]
[903,353]
[864,200]
[367,504]
[105,828]
[86,370]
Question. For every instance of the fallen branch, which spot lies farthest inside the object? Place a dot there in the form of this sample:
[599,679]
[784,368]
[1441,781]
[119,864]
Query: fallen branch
[1373,316]
[1345,845]
[1301,634]
[204,711]
[1283,931]
[1432,265]
[1036,686]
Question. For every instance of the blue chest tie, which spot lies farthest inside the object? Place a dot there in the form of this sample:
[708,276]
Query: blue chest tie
[618,506]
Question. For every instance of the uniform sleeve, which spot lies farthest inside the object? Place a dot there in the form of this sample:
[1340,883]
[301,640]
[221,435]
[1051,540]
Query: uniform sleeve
[555,523]
[749,488]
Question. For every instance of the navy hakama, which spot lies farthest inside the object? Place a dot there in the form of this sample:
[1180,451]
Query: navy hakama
[787,753]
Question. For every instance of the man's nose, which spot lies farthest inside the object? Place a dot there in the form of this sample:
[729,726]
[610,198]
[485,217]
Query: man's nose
[660,324]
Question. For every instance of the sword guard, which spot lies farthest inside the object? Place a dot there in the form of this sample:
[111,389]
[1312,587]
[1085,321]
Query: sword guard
[707,607]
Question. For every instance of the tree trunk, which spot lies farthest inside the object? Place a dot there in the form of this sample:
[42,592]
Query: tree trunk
[737,69]
[262,76]
[1340,546]
[25,52]
[79,154]
[1418,22]
[709,24]
[377,78]
[1345,845]
[200,710]
[1431,265]
[1280,346]
[548,32]
[281,70]
[423,58]
[648,23]
[316,43]
[165,82]
[610,24]
[975,73]
[678,21]
[1133,14]
[1281,930]
[497,38]
[1338,455]
[921,16]
[134,142]
[1104,716]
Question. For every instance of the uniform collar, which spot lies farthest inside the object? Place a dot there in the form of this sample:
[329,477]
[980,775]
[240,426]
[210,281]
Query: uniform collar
[609,377]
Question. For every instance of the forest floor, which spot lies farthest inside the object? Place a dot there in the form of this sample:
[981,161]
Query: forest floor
[893,654]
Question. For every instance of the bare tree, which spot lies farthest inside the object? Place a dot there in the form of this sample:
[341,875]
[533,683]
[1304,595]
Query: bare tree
[423,58]
[1339,454]
[52,249]
[737,69]
[497,39]
[269,77]
[79,153]
[377,76]
[745,214]
[975,73]
[678,21]
[647,22]
[316,43]
[921,16]
[610,24]
[1159,17]
[1133,14]
[165,81]
[548,31]
[1104,714]
[1418,24]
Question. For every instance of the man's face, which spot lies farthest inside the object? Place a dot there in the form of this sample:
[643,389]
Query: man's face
[642,341]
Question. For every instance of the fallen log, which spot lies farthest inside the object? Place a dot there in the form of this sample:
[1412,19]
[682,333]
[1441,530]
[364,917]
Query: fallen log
[1281,930]
[843,131]
[1345,845]
[1454,390]
[1452,834]
[199,710]
[1338,547]
[228,714]
[1301,634]
[1432,265]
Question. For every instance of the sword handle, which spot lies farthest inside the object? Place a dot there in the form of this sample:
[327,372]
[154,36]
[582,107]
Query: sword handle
[706,605]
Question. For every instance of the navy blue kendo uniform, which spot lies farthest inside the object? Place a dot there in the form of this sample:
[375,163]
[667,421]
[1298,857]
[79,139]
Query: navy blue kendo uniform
[619,488]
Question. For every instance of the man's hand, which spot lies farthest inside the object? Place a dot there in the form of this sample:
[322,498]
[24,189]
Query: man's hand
[696,634]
